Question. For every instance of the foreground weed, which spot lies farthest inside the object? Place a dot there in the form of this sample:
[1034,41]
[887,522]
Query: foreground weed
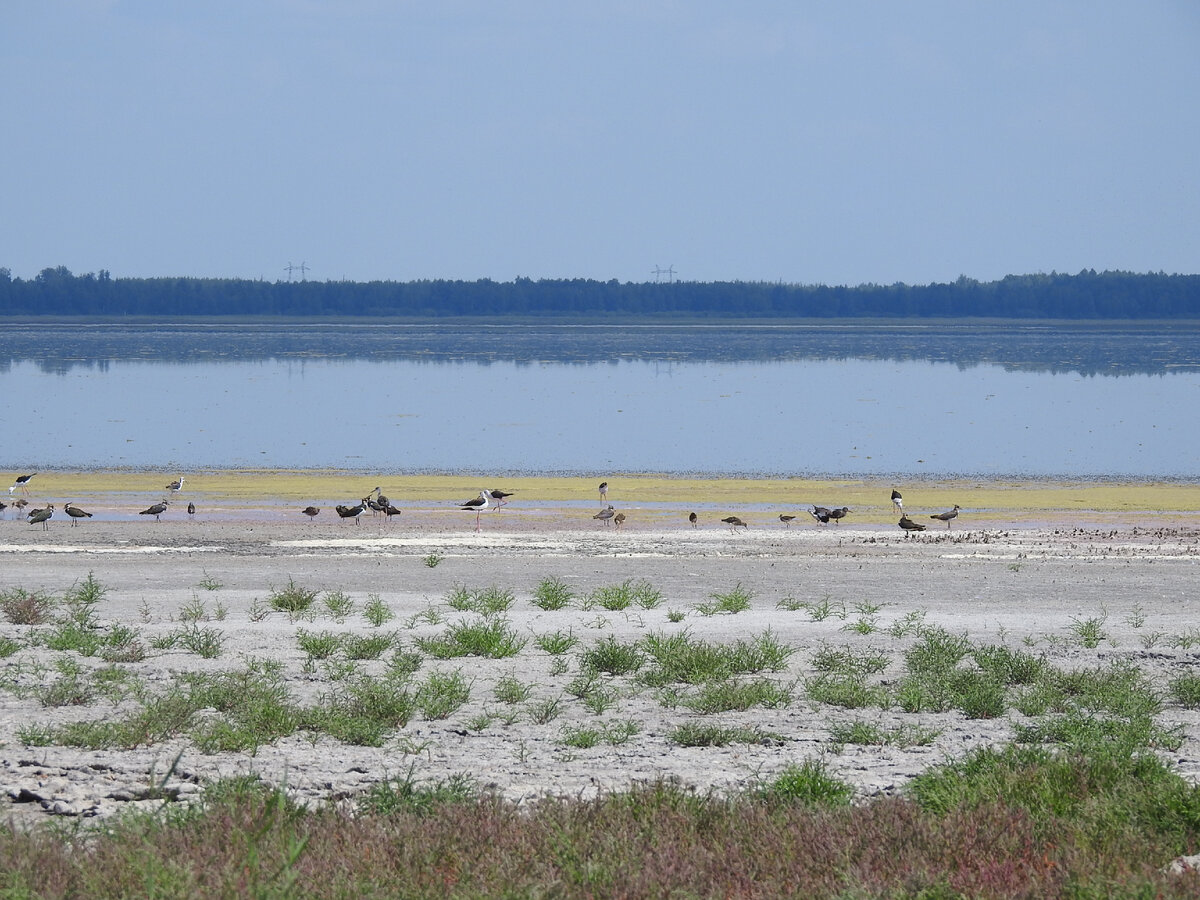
[442,693]
[22,607]
[509,689]
[489,638]
[937,652]
[556,643]
[725,696]
[678,658]
[846,691]
[406,795]
[1185,690]
[292,599]
[338,605]
[847,662]
[1088,633]
[1010,666]
[729,603]
[363,711]
[369,646]
[703,734]
[868,734]
[432,560]
[808,783]
[545,711]
[376,612]
[611,656]
[8,646]
[318,646]
[552,594]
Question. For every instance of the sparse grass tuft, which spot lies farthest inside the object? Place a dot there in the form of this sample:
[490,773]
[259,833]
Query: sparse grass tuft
[729,603]
[552,594]
[292,599]
[22,607]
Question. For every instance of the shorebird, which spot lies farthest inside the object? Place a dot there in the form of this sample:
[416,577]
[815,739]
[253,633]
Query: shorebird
[191,509]
[501,497]
[786,520]
[22,482]
[605,515]
[734,523]
[156,510]
[3,506]
[176,486]
[909,525]
[352,512]
[381,498]
[946,516]
[692,517]
[372,504]
[479,504]
[603,491]
[20,504]
[821,514]
[390,511]
[311,512]
[75,513]
[42,516]
[837,514]
[619,519]
[897,500]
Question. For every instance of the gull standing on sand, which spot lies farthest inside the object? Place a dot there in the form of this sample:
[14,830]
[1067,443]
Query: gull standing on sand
[479,504]
[605,515]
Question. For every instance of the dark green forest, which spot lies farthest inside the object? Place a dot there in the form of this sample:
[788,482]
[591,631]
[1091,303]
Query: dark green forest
[1087,295]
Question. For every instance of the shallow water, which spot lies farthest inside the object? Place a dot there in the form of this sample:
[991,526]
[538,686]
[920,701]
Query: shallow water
[813,402]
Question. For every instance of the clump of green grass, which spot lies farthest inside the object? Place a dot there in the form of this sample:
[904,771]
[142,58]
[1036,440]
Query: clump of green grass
[704,734]
[556,643]
[846,691]
[432,560]
[553,594]
[849,662]
[338,605]
[376,612]
[1088,633]
[611,656]
[209,583]
[629,593]
[1185,690]
[489,601]
[442,693]
[809,783]
[492,638]
[728,603]
[369,646]
[869,734]
[318,646]
[363,711]
[679,658]
[405,795]
[292,599]
[725,696]
[509,689]
[8,646]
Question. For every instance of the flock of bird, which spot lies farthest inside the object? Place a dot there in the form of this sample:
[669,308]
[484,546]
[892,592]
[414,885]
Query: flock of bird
[379,504]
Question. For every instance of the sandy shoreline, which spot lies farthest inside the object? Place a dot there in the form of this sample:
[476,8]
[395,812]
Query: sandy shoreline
[1019,575]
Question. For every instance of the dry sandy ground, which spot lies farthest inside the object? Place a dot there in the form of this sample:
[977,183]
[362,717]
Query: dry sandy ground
[1026,586]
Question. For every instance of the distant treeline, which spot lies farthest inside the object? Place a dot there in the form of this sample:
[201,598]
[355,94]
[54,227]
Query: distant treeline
[1087,295]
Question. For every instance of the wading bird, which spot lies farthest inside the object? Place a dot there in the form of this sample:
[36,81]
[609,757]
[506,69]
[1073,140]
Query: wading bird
[693,518]
[603,491]
[605,515]
[479,504]
[191,509]
[156,510]
[946,516]
[390,511]
[838,514]
[734,523]
[786,520]
[22,482]
[619,519]
[75,513]
[501,497]
[897,500]
[909,525]
[352,512]
[821,514]
[311,512]
[41,517]
[176,486]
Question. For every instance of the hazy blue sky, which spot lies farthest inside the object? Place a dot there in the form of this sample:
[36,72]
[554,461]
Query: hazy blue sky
[842,142]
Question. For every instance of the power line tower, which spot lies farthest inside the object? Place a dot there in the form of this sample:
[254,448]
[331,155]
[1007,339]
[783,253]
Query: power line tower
[669,271]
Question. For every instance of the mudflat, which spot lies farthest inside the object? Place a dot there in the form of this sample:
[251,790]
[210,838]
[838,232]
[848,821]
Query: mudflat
[1082,575]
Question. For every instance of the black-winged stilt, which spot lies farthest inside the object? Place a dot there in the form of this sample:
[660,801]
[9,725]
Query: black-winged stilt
[479,504]
[22,482]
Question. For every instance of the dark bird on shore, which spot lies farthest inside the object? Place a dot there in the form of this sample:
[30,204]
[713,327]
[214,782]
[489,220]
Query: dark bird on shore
[3,506]
[20,504]
[692,517]
[42,516]
[838,514]
[897,500]
[176,486]
[22,482]
[619,519]
[390,511]
[821,514]
[311,512]
[479,504]
[191,509]
[75,513]
[786,520]
[351,512]
[372,504]
[603,491]
[501,497]
[605,515]
[909,525]
[156,510]
[734,523]
[946,516]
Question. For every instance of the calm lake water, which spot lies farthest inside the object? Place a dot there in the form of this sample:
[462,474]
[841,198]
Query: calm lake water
[832,400]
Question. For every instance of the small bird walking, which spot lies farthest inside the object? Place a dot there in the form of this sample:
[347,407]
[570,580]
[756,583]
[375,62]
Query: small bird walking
[693,518]
[311,512]
[897,501]
[619,519]
[156,510]
[75,513]
[42,517]
[821,514]
[734,523]
[191,509]
[603,491]
[22,482]
[946,516]
[909,525]
[479,504]
[838,514]
[501,497]
[605,515]
[786,520]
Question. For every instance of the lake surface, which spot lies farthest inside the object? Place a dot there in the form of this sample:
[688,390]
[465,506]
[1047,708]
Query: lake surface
[813,401]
